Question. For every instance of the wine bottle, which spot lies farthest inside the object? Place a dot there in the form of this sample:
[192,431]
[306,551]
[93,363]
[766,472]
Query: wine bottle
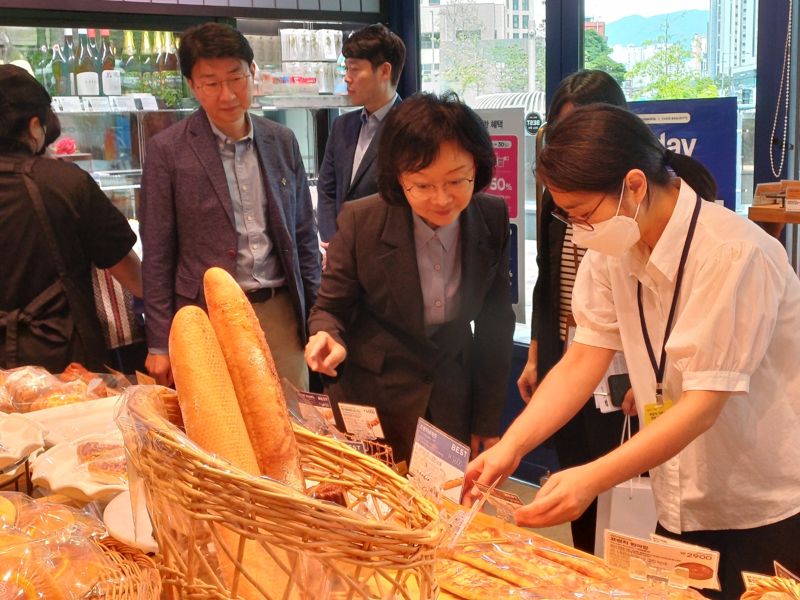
[86,75]
[171,72]
[132,69]
[147,61]
[40,58]
[71,56]
[109,75]
[60,73]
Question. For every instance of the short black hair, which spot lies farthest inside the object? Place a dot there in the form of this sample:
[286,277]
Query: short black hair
[377,44]
[413,133]
[212,40]
[588,86]
[21,99]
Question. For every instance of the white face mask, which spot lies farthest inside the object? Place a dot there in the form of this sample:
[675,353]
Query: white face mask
[614,236]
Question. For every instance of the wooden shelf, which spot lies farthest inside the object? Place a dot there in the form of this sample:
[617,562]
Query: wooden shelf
[773,214]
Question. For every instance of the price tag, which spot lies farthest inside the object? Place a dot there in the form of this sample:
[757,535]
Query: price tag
[312,404]
[96,104]
[438,462]
[67,104]
[361,421]
[148,102]
[123,103]
[663,559]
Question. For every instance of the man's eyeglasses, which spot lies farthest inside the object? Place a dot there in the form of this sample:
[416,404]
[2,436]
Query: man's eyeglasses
[213,89]
[579,222]
[422,192]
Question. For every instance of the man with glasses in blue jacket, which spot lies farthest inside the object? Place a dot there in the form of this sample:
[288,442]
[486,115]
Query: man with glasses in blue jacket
[227,188]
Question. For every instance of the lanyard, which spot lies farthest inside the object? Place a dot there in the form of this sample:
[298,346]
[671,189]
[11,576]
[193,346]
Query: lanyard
[658,368]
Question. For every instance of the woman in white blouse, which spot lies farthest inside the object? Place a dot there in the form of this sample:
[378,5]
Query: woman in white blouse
[706,308]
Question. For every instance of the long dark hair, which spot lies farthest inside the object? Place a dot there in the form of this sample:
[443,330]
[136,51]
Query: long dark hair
[594,147]
[414,132]
[583,87]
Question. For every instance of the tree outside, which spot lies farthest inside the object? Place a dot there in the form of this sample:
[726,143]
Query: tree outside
[597,55]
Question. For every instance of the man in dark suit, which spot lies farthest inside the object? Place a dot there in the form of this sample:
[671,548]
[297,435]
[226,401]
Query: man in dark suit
[226,188]
[374,58]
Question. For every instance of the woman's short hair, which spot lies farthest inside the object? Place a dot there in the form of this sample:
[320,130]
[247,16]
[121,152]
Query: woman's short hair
[584,87]
[413,133]
[21,99]
[594,147]
[212,40]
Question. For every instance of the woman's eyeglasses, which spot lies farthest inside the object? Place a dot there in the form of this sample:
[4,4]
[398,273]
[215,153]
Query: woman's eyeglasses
[422,192]
[579,222]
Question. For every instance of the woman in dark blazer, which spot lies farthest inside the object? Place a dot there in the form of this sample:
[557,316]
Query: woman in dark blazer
[414,312]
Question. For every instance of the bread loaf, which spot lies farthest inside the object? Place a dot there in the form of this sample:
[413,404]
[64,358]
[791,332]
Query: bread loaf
[255,379]
[213,421]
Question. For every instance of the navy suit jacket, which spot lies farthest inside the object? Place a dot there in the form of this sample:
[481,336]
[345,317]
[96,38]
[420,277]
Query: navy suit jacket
[187,222]
[334,187]
[371,302]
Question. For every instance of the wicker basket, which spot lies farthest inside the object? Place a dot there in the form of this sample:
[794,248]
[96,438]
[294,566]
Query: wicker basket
[382,547]
[132,576]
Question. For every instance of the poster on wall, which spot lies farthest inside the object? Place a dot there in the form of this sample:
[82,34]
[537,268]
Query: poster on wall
[507,129]
[704,129]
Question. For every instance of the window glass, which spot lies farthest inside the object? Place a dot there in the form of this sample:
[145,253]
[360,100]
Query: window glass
[480,51]
[686,49]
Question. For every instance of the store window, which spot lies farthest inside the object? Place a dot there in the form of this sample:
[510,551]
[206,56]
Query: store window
[481,54]
[692,49]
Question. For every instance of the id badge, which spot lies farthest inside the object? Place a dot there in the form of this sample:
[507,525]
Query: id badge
[655,409]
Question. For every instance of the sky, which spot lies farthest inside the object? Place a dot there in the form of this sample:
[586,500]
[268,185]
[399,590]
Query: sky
[613,10]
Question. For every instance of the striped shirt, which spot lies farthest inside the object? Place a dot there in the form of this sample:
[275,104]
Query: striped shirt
[571,256]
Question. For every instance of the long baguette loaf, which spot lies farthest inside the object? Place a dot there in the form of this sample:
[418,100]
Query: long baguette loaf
[213,421]
[255,379]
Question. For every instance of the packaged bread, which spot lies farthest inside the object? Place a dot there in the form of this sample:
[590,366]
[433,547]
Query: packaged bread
[26,384]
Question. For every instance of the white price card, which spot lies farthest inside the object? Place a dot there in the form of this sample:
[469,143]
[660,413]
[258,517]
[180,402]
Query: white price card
[148,102]
[361,421]
[123,103]
[673,562]
[312,404]
[96,104]
[438,462]
[67,104]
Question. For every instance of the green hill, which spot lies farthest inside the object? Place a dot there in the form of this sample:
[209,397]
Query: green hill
[636,30]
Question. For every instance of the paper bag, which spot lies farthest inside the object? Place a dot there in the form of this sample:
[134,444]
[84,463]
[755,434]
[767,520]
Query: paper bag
[628,508]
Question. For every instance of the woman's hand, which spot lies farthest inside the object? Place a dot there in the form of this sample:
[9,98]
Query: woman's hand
[323,353]
[563,498]
[529,378]
[500,460]
[629,403]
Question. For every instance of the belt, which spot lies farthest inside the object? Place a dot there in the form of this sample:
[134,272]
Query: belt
[263,294]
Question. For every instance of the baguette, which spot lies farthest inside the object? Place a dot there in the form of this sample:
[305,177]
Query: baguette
[212,419]
[255,379]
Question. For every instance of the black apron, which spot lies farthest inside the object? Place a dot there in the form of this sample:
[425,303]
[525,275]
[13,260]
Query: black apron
[60,324]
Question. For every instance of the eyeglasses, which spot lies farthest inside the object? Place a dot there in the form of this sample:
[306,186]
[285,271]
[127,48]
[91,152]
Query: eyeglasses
[213,89]
[422,192]
[579,222]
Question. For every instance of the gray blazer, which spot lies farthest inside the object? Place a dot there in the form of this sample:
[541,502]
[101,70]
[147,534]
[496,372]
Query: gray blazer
[334,185]
[371,301]
[187,222]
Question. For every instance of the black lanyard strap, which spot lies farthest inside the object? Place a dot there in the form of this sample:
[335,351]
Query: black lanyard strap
[659,368]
